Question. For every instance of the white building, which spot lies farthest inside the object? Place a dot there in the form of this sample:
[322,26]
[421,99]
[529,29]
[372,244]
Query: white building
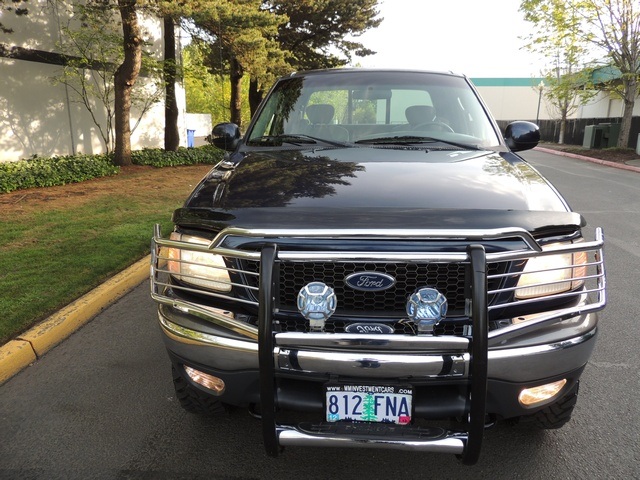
[40,117]
[519,98]
[513,98]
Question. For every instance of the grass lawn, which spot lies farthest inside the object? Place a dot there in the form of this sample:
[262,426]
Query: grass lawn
[58,243]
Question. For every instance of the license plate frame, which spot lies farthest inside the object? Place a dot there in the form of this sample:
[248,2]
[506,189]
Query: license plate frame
[368,403]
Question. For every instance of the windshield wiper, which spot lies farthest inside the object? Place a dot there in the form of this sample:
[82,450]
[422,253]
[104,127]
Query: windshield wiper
[413,139]
[275,140]
[294,139]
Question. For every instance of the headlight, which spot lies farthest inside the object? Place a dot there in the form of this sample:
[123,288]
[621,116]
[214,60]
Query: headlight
[201,269]
[551,274]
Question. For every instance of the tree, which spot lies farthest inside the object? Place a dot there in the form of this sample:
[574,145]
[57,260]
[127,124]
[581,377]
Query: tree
[559,36]
[171,113]
[242,34]
[317,32]
[616,31]
[208,92]
[264,39]
[125,78]
[94,50]
[611,26]
[172,14]
[566,89]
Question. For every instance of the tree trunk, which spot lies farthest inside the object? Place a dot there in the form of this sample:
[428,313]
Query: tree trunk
[255,96]
[630,92]
[171,132]
[563,125]
[124,80]
[235,106]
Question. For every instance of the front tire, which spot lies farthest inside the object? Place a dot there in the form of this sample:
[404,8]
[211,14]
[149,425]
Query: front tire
[194,400]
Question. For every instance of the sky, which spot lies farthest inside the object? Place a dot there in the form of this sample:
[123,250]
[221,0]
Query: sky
[478,38]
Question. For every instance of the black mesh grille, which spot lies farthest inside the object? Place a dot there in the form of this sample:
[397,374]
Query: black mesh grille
[448,278]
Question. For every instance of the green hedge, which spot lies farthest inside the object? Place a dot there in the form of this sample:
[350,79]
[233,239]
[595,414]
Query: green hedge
[157,157]
[48,172]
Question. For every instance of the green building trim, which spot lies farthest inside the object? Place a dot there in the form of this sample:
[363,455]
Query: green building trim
[506,82]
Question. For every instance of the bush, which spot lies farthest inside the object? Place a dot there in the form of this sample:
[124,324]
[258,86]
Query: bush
[48,172]
[157,157]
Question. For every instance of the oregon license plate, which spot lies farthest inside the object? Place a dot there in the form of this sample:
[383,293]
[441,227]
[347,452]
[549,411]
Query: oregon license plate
[369,403]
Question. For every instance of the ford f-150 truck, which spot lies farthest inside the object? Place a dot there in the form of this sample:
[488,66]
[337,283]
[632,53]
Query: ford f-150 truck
[372,265]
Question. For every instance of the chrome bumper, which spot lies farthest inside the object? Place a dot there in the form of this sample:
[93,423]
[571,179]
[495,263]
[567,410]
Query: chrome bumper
[383,356]
[418,440]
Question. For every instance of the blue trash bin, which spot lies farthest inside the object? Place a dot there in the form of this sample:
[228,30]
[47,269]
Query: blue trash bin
[191,138]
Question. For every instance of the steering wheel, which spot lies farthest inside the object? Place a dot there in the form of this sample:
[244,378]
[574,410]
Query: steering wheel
[426,125]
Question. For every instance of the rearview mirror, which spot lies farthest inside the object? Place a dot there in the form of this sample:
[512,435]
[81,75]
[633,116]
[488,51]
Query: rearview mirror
[372,94]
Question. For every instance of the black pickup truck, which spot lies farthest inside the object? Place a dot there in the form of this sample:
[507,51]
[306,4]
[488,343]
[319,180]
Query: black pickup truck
[372,265]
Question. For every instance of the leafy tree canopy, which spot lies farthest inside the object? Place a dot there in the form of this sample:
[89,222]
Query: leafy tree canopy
[608,29]
[559,36]
[316,31]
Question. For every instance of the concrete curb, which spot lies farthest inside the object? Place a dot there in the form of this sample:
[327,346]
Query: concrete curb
[31,345]
[622,166]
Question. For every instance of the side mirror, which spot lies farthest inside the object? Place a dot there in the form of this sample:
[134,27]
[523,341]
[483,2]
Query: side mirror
[226,136]
[521,136]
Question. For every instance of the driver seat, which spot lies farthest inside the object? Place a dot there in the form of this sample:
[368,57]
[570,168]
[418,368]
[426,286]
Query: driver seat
[320,126]
[419,114]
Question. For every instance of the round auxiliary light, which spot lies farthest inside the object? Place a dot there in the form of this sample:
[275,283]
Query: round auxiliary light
[317,302]
[426,308]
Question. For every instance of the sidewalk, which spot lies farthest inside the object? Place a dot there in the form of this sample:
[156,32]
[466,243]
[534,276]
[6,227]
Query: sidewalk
[28,347]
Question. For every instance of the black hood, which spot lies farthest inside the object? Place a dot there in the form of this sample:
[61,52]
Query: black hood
[369,185]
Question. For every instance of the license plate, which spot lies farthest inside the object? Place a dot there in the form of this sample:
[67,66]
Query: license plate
[369,403]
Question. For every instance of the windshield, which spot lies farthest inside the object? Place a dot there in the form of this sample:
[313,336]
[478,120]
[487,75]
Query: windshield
[363,107]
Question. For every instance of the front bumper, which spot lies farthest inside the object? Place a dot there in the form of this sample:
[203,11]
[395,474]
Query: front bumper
[381,356]
[455,376]
[313,358]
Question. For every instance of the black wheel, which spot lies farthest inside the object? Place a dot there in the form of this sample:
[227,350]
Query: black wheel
[558,413]
[194,400]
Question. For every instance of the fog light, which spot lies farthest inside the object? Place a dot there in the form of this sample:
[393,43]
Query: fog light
[215,384]
[317,302]
[530,397]
[426,308]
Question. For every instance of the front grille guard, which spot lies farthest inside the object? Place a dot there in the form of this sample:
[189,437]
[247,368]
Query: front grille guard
[467,445]
[189,284]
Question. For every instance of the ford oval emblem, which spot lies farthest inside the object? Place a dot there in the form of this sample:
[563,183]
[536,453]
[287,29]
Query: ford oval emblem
[368,328]
[370,281]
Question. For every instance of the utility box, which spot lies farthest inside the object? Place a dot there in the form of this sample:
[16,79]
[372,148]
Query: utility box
[610,134]
[603,135]
[592,136]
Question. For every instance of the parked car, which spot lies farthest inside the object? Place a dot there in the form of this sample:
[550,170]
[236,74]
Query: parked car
[373,258]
